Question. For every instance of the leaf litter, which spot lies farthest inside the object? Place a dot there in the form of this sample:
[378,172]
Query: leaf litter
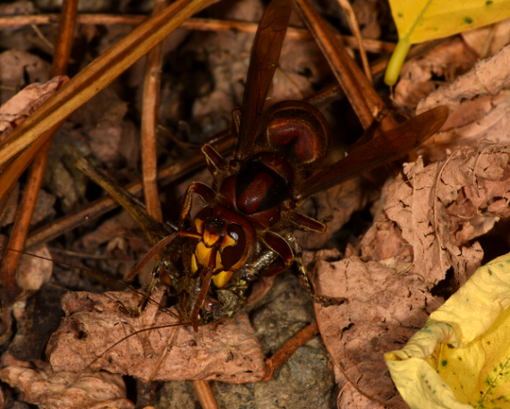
[95,336]
[61,390]
[425,223]
[427,220]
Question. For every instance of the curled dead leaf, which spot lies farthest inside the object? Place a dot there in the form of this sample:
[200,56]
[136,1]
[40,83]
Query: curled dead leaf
[439,66]
[424,227]
[65,390]
[484,117]
[18,67]
[439,208]
[19,107]
[95,335]
[488,77]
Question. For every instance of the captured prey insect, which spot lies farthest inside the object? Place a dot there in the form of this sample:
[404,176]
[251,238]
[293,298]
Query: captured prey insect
[237,235]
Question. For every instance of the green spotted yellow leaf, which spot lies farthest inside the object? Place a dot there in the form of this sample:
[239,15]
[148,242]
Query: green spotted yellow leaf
[461,358]
[424,20]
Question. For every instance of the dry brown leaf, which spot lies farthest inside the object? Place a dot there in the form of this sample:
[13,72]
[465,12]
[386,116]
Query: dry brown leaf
[337,205]
[18,108]
[352,398]
[17,7]
[488,77]
[418,77]
[226,352]
[484,117]
[112,138]
[424,226]
[33,272]
[488,40]
[16,66]
[448,60]
[66,390]
[479,107]
[368,17]
[383,310]
[437,210]
[481,118]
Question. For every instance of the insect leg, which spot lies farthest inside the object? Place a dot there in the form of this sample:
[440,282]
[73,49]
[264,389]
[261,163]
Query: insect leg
[201,189]
[306,223]
[215,161]
[280,246]
[156,232]
[298,257]
[135,312]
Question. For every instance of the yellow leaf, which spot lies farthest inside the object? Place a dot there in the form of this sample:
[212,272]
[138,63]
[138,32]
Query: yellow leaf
[461,358]
[423,20]
[479,373]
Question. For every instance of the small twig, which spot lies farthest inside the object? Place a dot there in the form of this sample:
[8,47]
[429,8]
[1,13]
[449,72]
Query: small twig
[289,348]
[480,154]
[438,222]
[337,58]
[364,99]
[353,24]
[80,254]
[43,38]
[98,75]
[150,114]
[168,348]
[205,395]
[105,204]
[185,145]
[199,24]
[36,174]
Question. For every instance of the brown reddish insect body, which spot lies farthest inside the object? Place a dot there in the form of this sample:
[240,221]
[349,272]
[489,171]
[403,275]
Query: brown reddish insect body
[236,237]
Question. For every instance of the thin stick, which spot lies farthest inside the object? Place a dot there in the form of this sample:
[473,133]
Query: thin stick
[205,395]
[150,114]
[36,174]
[365,101]
[12,172]
[332,49]
[353,24]
[171,173]
[199,24]
[98,75]
[289,348]
[105,204]
[167,349]
[45,41]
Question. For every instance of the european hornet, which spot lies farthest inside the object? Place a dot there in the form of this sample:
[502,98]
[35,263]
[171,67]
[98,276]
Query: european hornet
[237,235]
